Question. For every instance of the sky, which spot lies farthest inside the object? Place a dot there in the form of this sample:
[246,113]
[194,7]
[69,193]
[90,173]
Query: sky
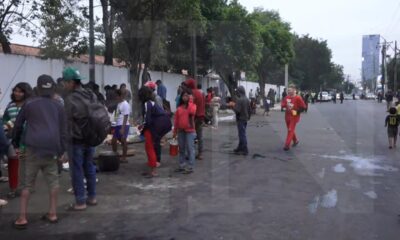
[341,22]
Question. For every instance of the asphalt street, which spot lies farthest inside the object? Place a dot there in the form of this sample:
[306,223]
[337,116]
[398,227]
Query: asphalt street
[340,183]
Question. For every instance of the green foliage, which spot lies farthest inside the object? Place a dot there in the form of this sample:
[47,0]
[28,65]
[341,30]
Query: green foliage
[62,26]
[235,43]
[17,16]
[312,68]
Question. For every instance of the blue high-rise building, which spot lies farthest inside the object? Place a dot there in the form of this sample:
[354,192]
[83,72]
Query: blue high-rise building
[370,60]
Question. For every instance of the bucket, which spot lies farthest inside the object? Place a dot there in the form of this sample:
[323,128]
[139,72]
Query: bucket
[173,147]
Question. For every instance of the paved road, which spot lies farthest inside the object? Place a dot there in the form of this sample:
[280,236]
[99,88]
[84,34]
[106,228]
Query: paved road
[340,183]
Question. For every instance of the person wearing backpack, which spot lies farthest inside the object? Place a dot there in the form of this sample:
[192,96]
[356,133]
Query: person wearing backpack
[242,109]
[156,123]
[121,115]
[81,149]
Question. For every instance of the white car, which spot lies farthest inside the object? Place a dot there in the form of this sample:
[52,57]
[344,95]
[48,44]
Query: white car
[325,97]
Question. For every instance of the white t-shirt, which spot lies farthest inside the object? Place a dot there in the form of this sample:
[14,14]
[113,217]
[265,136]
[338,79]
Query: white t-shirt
[122,110]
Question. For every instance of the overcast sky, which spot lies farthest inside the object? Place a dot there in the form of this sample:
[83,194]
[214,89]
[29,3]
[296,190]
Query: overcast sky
[341,22]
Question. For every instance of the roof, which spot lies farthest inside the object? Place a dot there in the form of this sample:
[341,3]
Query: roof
[24,50]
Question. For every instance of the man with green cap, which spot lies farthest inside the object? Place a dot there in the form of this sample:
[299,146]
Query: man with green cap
[80,153]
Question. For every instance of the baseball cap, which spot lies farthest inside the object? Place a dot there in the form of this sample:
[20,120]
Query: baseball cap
[151,84]
[70,73]
[45,85]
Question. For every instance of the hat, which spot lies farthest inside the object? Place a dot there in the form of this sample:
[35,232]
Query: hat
[150,84]
[70,73]
[45,85]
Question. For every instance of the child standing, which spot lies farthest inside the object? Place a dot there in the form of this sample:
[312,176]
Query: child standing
[392,124]
[121,132]
[184,128]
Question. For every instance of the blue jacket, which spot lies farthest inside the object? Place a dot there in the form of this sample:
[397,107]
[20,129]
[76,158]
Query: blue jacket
[156,120]
[162,91]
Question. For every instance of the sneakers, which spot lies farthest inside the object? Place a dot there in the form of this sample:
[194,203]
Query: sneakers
[296,143]
[286,148]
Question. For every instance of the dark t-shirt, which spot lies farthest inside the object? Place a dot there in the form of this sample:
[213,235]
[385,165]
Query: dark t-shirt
[392,121]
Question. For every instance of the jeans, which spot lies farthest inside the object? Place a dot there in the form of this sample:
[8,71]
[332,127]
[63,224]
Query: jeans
[199,131]
[186,148]
[242,125]
[82,166]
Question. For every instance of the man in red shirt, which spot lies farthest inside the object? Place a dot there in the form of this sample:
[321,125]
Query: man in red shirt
[294,105]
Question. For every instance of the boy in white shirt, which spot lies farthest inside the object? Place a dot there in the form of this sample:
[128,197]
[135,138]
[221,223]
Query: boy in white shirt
[121,130]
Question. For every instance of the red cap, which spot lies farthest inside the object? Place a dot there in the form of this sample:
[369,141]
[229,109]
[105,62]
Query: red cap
[151,84]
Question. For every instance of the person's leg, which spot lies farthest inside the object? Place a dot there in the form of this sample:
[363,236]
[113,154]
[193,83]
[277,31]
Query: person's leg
[240,144]
[50,173]
[191,148]
[29,170]
[124,144]
[291,132]
[157,148]
[76,168]
[199,133]
[89,170]
[182,149]
[150,151]
[244,136]
[390,142]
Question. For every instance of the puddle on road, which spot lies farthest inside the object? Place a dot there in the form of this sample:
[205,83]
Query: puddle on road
[339,168]
[329,200]
[371,194]
[364,166]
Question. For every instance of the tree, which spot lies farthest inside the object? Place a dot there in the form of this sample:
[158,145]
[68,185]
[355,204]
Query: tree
[62,28]
[17,14]
[235,44]
[312,67]
[142,24]
[277,46]
[108,30]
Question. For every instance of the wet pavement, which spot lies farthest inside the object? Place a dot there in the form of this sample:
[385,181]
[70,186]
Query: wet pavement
[341,182]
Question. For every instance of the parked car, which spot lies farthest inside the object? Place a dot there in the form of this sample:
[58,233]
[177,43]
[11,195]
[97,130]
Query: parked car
[370,96]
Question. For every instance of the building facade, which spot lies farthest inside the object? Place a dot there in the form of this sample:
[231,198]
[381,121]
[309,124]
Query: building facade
[370,60]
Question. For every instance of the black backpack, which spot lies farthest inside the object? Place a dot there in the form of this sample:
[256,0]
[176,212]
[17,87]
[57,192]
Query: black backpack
[97,124]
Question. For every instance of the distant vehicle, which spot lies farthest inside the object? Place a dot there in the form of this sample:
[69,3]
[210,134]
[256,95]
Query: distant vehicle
[370,96]
[325,97]
[348,97]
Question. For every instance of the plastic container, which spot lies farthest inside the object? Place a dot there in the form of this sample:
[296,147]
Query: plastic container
[173,147]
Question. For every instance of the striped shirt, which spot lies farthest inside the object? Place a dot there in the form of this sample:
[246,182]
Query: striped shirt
[11,113]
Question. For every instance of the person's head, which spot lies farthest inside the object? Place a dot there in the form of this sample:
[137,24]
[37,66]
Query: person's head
[21,92]
[146,94]
[158,82]
[209,90]
[392,110]
[292,90]
[120,95]
[45,87]
[72,78]
[185,95]
[191,83]
[199,86]
[122,86]
[96,88]
[241,91]
[252,90]
[152,85]
[114,87]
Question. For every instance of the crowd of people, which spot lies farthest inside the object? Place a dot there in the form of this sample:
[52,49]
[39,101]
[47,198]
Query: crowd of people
[71,114]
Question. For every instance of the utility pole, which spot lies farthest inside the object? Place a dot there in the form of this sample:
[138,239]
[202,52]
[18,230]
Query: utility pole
[383,80]
[91,43]
[395,68]
[286,76]
[194,53]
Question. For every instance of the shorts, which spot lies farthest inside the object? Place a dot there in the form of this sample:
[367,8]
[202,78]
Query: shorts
[117,133]
[392,132]
[31,164]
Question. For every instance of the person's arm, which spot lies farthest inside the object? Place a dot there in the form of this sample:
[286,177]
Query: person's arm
[176,120]
[386,121]
[18,127]
[284,103]
[301,105]
[63,129]
[3,140]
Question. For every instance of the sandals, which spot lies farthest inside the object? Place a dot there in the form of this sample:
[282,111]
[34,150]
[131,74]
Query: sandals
[19,226]
[91,202]
[46,218]
[72,208]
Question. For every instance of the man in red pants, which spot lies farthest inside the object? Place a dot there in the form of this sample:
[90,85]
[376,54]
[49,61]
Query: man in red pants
[294,105]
